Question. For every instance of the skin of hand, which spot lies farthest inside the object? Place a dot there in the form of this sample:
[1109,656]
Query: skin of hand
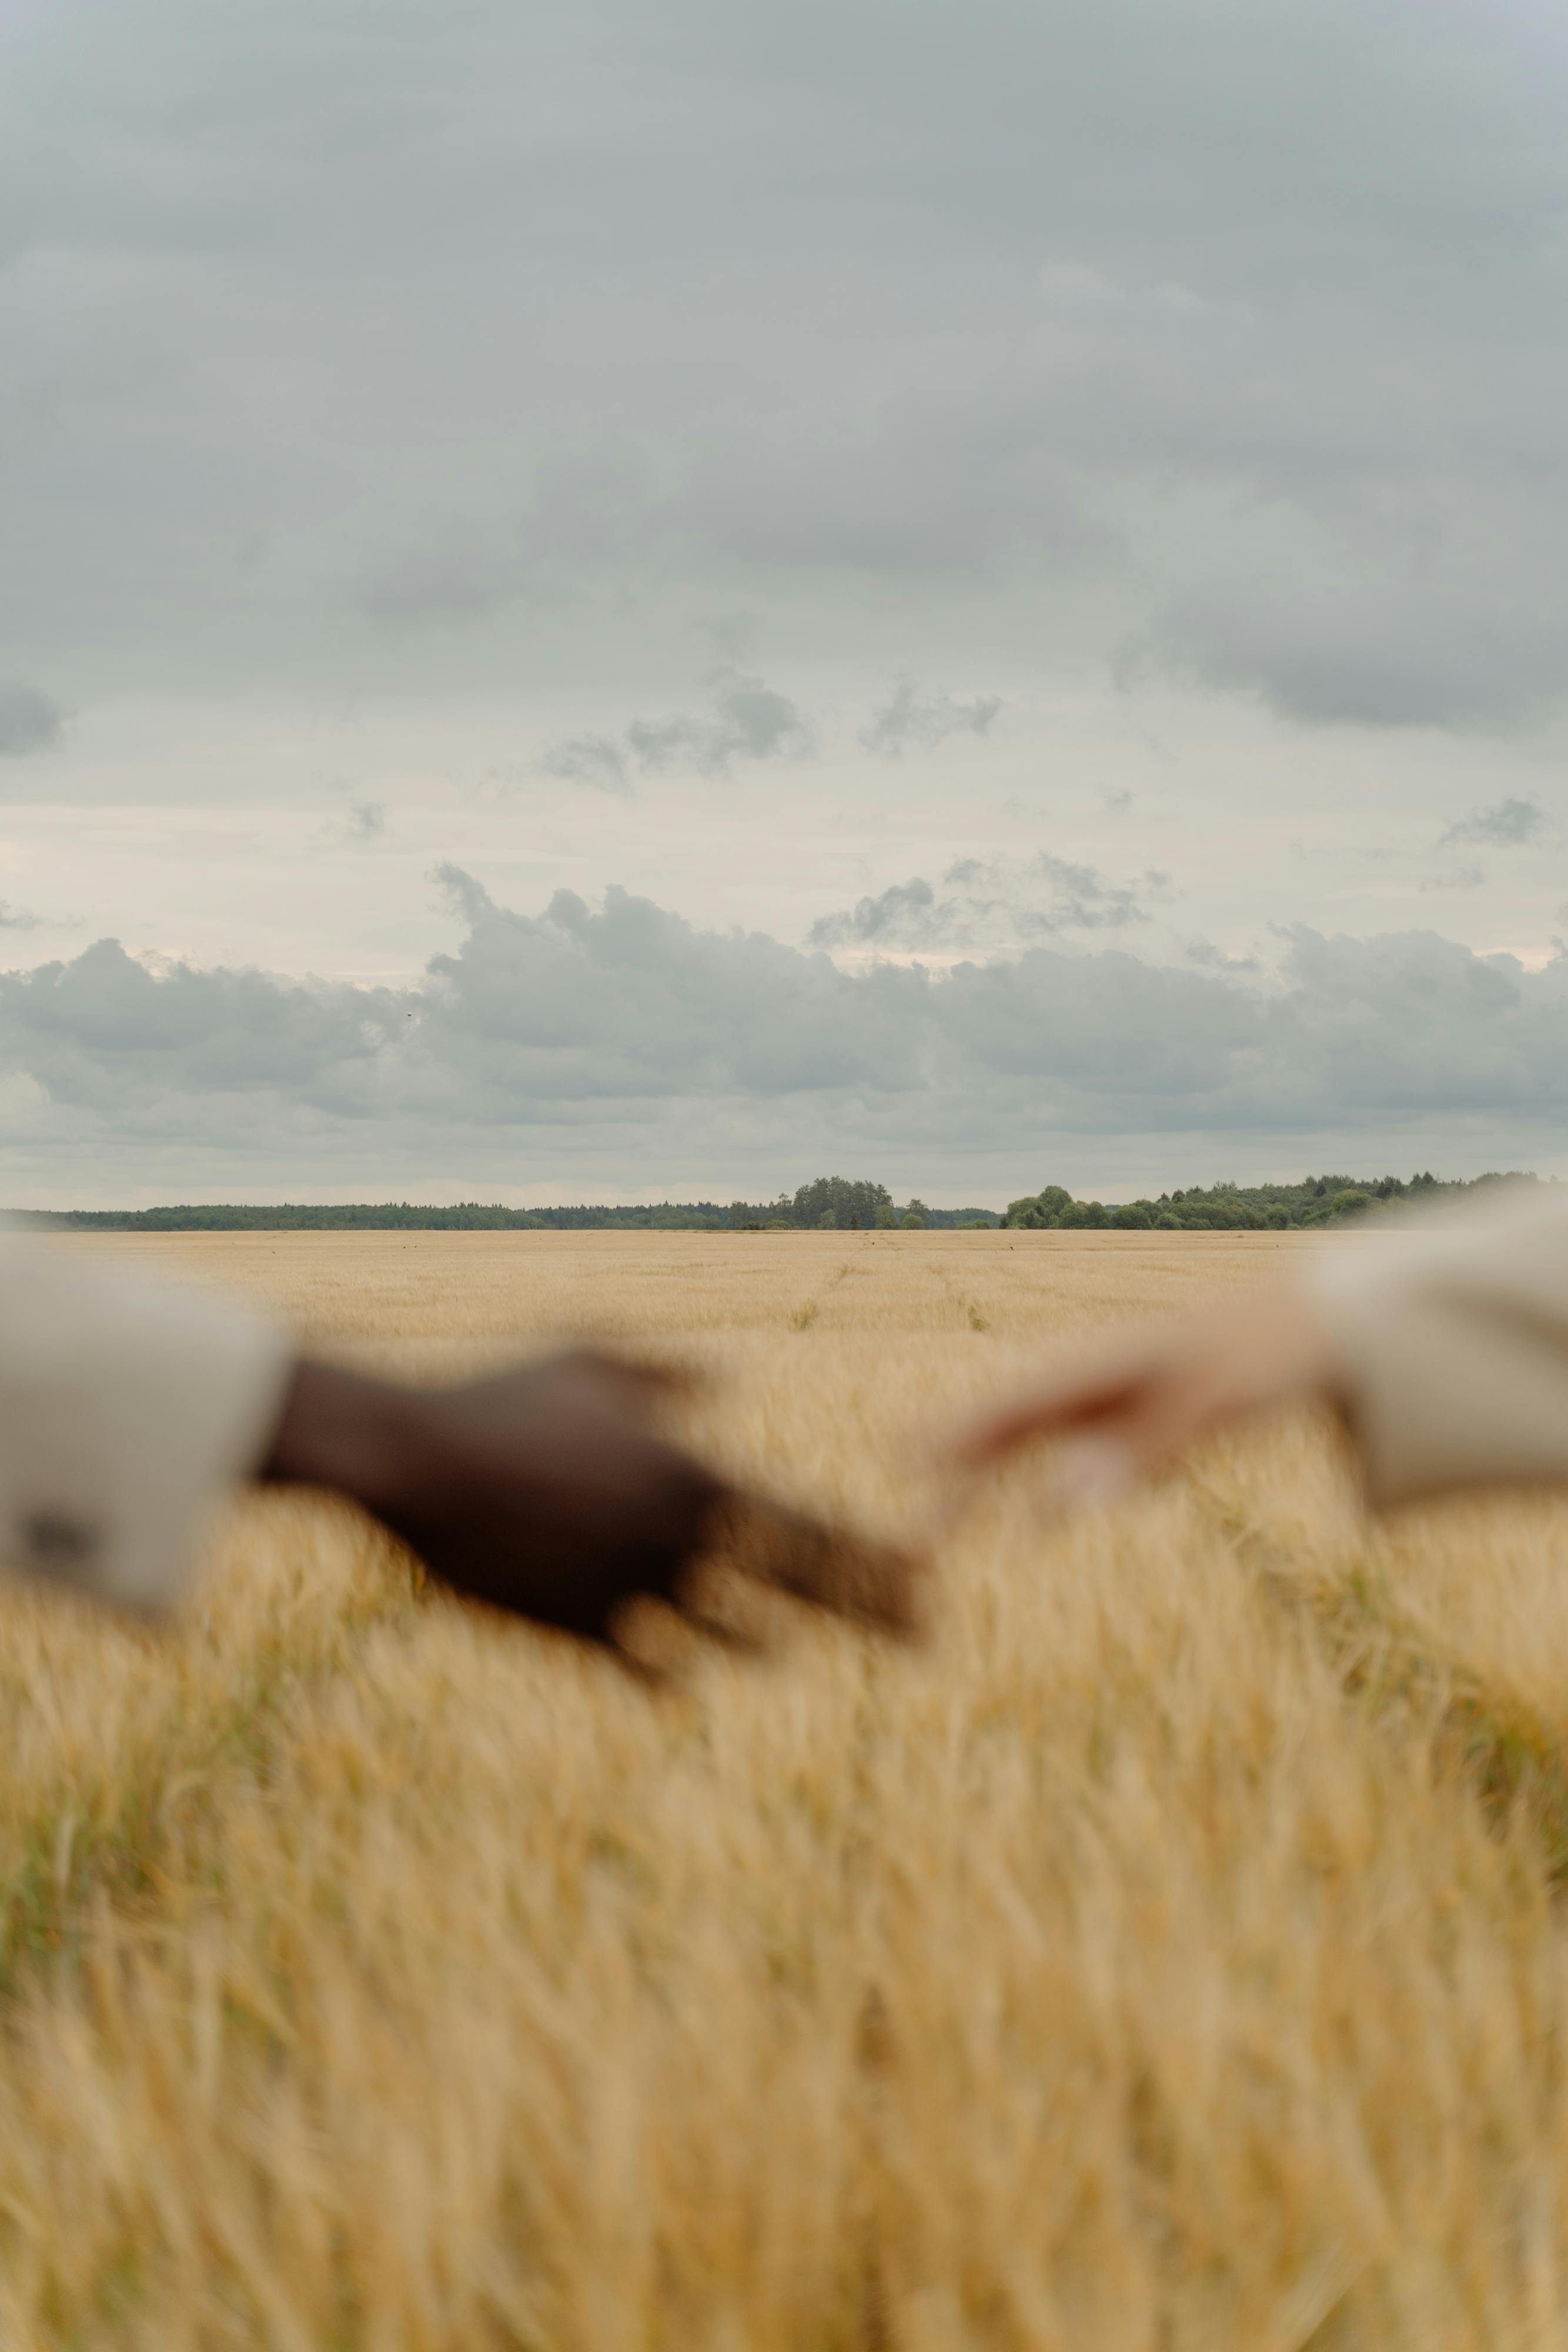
[545,1491]
[1124,1405]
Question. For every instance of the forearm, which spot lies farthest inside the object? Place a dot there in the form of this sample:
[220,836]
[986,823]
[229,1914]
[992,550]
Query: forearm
[362,1438]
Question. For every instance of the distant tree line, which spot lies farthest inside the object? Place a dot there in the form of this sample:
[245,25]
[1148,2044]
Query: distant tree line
[382,1216]
[1246,1208]
[836,1203]
[832,1200]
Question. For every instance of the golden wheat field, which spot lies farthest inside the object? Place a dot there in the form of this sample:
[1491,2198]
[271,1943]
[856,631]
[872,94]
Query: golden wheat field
[1168,1957]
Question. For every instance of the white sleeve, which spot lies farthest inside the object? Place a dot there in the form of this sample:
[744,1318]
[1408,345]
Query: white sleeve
[1452,1341]
[126,1406]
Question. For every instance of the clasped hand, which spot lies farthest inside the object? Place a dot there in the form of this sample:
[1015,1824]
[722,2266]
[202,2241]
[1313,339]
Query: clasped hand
[548,1491]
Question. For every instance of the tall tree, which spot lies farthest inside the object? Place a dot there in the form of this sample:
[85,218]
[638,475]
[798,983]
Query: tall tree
[834,1199]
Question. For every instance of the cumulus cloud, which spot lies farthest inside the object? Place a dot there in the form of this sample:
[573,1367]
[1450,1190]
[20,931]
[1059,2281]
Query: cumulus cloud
[136,1045]
[905,723]
[992,902]
[29,721]
[747,719]
[602,1022]
[1510,825]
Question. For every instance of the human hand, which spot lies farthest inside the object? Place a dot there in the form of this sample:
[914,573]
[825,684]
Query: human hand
[545,1491]
[1128,1402]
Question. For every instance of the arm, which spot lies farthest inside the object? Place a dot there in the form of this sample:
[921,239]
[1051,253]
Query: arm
[1445,1347]
[545,1491]
[126,1407]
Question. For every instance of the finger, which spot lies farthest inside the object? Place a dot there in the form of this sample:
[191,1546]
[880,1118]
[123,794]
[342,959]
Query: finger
[1096,1470]
[956,1489]
[1102,1459]
[874,1584]
[1046,1412]
[641,1671]
[650,1639]
[715,1598]
[641,1384]
[1100,1382]
[726,1636]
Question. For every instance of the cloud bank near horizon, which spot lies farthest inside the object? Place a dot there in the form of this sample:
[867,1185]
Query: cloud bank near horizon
[623,1039]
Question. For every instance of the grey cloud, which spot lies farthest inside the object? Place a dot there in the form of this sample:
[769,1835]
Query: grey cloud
[748,720]
[1214,959]
[1384,654]
[905,914]
[105,1035]
[1508,825]
[19,918]
[362,824]
[905,723]
[582,507]
[29,721]
[632,1002]
[1075,896]
[1047,318]
[439,584]
[582,1020]
[591,760]
[929,485]
[365,822]
[992,902]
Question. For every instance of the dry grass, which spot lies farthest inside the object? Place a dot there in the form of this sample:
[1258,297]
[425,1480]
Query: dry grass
[1169,1958]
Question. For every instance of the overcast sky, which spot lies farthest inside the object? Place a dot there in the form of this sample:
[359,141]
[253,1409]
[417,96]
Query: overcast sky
[604,600]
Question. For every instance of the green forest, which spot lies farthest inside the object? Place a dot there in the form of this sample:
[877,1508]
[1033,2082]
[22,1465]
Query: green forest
[838,1203]
[1229,1207]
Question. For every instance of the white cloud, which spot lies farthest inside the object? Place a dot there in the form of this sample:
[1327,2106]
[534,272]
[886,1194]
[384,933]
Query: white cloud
[622,1029]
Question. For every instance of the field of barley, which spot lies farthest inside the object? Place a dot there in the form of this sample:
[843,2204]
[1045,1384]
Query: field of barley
[1168,1956]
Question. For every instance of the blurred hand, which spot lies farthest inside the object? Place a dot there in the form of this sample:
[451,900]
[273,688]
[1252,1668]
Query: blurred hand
[1124,1404]
[545,1491]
